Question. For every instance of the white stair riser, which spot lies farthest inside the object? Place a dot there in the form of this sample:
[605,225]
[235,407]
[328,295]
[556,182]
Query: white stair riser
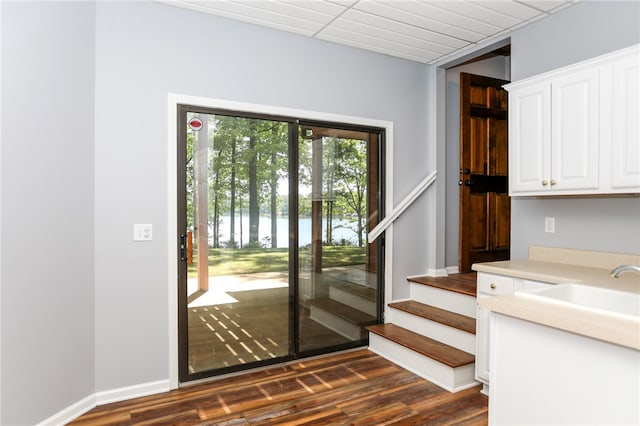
[451,379]
[444,299]
[332,322]
[443,333]
[355,301]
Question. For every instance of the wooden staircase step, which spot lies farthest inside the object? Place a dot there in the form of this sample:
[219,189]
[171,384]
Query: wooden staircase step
[464,283]
[343,311]
[359,290]
[442,316]
[438,351]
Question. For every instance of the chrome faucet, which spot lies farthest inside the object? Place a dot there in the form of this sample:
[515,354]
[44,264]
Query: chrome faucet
[623,268]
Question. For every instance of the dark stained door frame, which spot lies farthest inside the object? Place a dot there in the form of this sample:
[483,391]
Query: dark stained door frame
[485,207]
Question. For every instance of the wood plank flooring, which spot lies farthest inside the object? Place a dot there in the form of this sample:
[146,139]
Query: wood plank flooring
[354,388]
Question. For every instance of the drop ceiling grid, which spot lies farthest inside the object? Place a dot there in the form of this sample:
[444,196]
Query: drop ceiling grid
[424,31]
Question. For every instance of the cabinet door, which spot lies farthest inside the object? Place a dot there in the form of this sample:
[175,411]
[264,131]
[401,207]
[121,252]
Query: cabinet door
[529,136]
[574,139]
[625,141]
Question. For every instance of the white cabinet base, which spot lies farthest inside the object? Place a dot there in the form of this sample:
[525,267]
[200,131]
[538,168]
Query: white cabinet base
[541,376]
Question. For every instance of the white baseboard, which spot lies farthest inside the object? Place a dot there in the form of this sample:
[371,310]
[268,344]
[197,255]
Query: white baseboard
[430,273]
[99,398]
[442,272]
[452,270]
[438,272]
[129,392]
[71,412]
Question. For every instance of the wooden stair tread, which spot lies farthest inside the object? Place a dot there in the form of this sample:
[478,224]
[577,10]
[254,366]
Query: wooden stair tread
[438,351]
[357,289]
[343,311]
[442,316]
[459,283]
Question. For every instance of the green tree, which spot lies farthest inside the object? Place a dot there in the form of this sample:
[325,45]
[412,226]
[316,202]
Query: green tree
[350,171]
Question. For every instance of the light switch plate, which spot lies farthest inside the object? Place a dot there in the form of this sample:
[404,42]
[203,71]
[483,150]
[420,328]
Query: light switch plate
[142,232]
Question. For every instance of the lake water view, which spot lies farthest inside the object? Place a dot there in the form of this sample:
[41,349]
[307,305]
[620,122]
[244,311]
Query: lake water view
[264,231]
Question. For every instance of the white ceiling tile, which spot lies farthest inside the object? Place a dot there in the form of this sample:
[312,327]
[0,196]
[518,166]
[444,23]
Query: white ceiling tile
[199,7]
[427,10]
[402,28]
[381,33]
[545,5]
[255,12]
[517,10]
[278,11]
[474,10]
[393,12]
[424,31]
[364,42]
[345,3]
[325,10]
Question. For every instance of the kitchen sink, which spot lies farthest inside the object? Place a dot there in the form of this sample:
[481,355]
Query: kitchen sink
[599,299]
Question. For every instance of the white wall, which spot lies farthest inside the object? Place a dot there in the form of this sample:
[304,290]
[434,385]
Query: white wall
[585,30]
[47,311]
[157,49]
[497,67]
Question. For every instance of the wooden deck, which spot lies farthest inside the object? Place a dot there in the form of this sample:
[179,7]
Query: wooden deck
[355,388]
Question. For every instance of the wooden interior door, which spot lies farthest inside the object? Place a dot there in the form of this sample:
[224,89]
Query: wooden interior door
[485,206]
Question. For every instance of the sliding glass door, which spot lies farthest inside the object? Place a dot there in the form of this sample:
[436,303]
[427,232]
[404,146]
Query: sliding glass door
[274,263]
[337,203]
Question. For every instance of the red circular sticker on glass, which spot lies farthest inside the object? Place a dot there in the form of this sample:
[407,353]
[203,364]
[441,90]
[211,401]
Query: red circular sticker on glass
[195,123]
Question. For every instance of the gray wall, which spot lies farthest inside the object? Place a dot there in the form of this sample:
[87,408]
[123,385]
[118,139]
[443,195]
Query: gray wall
[47,208]
[157,49]
[84,308]
[587,29]
[497,67]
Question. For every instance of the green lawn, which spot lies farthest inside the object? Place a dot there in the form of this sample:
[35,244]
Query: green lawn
[249,260]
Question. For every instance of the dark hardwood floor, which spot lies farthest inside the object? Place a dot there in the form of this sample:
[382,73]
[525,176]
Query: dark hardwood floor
[354,388]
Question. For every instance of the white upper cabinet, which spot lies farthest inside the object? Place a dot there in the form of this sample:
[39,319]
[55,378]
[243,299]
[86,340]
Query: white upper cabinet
[625,119]
[575,130]
[530,125]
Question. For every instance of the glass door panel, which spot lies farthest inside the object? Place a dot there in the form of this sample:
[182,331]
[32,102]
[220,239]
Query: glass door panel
[235,243]
[337,205]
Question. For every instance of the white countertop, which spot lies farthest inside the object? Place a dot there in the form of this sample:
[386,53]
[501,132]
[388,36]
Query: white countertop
[621,330]
[560,273]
